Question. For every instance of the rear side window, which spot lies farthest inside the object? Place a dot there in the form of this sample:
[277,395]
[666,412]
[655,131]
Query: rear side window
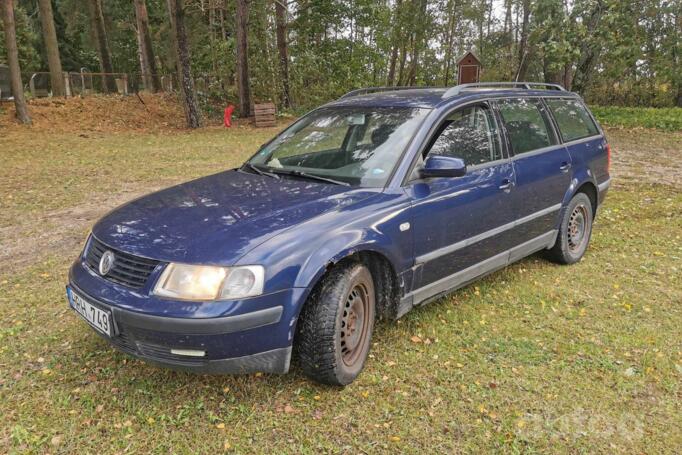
[572,118]
[470,134]
[527,126]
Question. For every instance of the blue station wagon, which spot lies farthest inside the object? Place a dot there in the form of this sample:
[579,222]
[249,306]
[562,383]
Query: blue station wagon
[382,200]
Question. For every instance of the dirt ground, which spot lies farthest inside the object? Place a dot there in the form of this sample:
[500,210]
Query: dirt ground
[638,155]
[646,155]
[527,360]
[148,112]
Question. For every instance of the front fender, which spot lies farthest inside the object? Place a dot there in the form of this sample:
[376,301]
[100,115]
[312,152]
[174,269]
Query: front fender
[344,245]
[299,256]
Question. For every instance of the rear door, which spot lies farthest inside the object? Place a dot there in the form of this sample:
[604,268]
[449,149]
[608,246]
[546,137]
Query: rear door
[541,163]
[459,222]
[581,136]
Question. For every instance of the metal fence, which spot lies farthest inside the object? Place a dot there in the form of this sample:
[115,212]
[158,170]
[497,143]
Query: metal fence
[86,83]
[80,84]
[5,86]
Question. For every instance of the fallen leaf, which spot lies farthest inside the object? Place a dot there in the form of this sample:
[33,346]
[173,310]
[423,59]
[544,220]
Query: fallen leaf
[415,339]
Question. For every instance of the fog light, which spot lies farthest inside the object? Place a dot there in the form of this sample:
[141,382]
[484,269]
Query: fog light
[189,352]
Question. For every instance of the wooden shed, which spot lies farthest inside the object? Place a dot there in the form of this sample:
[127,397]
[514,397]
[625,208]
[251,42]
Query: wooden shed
[469,69]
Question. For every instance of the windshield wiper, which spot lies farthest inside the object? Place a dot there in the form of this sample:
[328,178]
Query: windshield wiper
[307,176]
[259,171]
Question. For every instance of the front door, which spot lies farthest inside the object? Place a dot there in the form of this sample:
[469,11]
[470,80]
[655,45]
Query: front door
[459,223]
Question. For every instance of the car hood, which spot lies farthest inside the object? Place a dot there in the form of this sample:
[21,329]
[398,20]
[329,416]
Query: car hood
[219,218]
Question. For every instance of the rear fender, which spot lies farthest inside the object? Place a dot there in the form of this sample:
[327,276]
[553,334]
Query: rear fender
[580,178]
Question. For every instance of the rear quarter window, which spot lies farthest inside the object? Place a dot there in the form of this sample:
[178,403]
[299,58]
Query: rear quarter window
[572,118]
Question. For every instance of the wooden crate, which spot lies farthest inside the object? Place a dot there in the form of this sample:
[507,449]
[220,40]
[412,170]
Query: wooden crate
[264,115]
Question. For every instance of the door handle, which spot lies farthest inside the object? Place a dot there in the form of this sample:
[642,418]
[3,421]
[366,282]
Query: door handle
[506,185]
[565,166]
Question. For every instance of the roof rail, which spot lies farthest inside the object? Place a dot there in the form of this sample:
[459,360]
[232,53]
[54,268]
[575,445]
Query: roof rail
[457,89]
[366,90]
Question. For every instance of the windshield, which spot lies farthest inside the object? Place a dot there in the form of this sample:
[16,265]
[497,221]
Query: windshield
[353,145]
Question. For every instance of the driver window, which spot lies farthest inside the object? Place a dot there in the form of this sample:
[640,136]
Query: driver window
[469,134]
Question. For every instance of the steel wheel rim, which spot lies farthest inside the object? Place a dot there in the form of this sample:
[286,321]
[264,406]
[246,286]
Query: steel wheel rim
[354,324]
[577,228]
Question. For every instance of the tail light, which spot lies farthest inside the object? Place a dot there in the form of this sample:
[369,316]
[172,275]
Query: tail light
[608,158]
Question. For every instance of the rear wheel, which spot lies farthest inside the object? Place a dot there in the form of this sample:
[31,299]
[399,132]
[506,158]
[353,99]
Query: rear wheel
[335,328]
[574,232]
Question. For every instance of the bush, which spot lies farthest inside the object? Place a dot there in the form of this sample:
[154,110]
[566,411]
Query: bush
[666,119]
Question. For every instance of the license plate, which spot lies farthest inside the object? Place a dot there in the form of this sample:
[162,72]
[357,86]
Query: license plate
[101,320]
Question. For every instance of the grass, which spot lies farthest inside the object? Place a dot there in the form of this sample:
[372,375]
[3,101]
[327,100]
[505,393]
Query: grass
[666,119]
[534,358]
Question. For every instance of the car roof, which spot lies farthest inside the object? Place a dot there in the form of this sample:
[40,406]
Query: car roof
[436,97]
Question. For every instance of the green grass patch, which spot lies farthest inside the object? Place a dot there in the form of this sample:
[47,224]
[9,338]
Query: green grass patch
[666,119]
[534,358]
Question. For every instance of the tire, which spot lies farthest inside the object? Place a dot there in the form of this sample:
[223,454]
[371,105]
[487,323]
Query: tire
[328,351]
[574,232]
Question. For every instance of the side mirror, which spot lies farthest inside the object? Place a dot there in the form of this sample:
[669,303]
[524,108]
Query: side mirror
[443,166]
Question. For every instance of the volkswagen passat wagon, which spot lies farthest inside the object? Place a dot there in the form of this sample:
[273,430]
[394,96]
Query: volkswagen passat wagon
[364,208]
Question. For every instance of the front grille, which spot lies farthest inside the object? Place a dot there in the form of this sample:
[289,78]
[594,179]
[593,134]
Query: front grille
[128,270]
[124,343]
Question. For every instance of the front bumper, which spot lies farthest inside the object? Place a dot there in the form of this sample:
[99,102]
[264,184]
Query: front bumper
[152,338]
[253,335]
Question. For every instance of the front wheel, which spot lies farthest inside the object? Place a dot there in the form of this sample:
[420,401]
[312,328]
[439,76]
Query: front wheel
[574,232]
[336,325]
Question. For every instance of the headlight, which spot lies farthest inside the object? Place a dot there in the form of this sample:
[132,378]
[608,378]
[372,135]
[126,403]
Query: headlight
[204,282]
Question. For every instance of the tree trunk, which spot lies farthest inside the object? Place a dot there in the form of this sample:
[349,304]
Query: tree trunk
[52,48]
[13,62]
[100,36]
[524,54]
[417,43]
[176,10]
[588,51]
[170,4]
[403,59]
[677,76]
[150,75]
[281,24]
[390,80]
[449,40]
[243,59]
[509,34]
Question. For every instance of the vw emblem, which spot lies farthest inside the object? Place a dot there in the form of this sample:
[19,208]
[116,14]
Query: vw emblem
[106,263]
